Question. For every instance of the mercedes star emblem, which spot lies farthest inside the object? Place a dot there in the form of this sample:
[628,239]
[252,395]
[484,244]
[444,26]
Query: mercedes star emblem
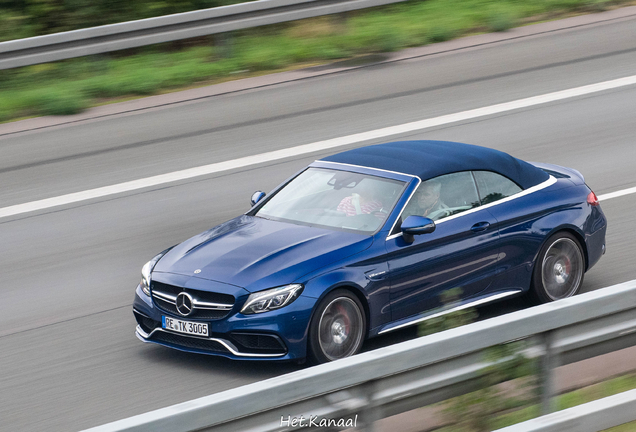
[184,303]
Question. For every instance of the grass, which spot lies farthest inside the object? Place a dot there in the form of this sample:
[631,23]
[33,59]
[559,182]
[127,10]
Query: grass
[564,401]
[627,427]
[71,86]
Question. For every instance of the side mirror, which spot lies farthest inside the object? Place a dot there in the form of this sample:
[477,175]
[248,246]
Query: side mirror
[416,225]
[256,197]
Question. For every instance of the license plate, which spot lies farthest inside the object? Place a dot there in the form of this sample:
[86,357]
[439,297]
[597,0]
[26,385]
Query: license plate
[186,327]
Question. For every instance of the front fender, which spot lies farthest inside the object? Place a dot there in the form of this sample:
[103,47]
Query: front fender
[368,281]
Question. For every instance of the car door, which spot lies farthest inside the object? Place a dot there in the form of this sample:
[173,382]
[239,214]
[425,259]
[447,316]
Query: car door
[461,252]
[514,213]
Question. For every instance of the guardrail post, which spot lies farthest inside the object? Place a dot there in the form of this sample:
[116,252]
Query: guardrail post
[370,413]
[223,45]
[340,21]
[548,364]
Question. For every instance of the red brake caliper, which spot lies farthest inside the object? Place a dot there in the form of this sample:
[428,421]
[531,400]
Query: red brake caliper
[345,318]
[568,266]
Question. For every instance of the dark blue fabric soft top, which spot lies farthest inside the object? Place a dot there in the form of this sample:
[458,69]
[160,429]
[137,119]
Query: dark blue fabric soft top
[428,159]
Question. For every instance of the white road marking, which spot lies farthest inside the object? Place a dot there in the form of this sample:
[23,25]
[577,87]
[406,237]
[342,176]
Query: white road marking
[320,146]
[616,194]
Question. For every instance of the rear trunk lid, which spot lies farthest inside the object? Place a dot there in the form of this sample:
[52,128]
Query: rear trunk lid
[558,172]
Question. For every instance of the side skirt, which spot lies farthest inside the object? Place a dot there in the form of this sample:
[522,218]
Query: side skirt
[434,313]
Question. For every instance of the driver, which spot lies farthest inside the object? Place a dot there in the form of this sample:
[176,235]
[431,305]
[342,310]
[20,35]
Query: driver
[427,202]
[364,202]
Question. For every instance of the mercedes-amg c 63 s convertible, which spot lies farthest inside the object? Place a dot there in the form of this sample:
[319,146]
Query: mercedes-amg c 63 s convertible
[365,242]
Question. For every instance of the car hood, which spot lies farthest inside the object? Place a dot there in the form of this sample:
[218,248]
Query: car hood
[255,253]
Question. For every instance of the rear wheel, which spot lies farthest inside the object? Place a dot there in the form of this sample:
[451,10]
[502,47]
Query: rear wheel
[338,327]
[558,272]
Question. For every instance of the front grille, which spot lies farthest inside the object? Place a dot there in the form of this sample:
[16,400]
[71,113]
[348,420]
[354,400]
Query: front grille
[196,313]
[211,297]
[188,342]
[258,343]
[204,296]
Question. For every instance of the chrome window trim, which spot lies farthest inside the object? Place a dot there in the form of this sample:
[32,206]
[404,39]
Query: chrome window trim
[549,182]
[419,181]
[368,168]
[228,345]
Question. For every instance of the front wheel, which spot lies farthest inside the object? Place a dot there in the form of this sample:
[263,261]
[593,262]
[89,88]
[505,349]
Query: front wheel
[559,269]
[338,327]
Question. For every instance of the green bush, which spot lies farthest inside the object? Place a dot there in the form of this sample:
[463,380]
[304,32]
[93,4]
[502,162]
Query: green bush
[14,25]
[501,20]
[439,33]
[59,102]
[475,411]
[264,57]
[597,5]
[6,114]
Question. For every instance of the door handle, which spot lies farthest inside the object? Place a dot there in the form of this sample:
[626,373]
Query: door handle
[480,226]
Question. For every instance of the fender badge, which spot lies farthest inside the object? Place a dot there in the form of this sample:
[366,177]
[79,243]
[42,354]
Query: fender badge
[197,271]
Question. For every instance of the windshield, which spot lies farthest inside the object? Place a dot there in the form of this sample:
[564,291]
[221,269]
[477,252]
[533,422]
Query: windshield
[335,199]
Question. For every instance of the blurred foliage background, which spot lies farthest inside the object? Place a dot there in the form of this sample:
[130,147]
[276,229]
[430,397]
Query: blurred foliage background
[70,86]
[26,18]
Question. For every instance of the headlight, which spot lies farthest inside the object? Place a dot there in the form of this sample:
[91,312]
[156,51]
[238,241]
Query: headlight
[271,299]
[146,270]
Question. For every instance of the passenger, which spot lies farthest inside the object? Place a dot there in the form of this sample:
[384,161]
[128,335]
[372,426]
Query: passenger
[364,202]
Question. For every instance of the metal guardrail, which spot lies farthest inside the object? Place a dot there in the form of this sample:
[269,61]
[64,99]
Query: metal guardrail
[96,40]
[589,417]
[408,375]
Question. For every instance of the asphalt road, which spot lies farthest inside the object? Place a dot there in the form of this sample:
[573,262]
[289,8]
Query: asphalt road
[68,356]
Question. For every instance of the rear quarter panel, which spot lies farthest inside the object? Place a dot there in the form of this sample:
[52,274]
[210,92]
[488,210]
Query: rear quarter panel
[526,223]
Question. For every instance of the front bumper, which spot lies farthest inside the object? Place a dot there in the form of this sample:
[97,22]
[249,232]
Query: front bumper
[198,344]
[274,335]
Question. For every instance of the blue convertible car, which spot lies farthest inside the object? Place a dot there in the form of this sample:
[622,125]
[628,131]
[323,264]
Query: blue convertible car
[365,242]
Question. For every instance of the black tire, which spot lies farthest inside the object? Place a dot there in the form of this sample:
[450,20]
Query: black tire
[559,269]
[338,327]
